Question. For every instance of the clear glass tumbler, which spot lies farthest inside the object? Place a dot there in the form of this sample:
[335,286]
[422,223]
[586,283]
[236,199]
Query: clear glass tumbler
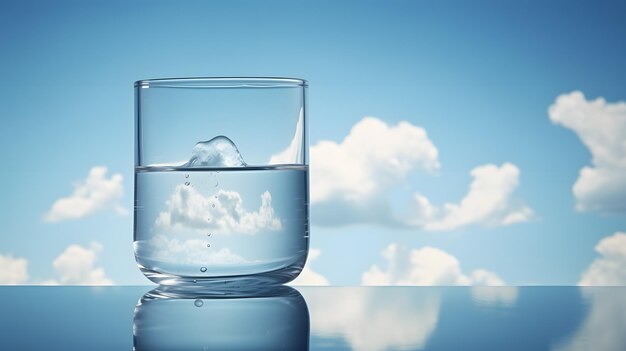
[221,180]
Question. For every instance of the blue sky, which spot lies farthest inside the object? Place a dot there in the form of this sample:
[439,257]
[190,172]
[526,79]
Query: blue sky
[478,78]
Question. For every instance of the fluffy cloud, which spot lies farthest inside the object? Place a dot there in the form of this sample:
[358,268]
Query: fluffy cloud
[74,266]
[358,316]
[488,201]
[13,271]
[610,269]
[293,153]
[351,182]
[424,266]
[601,126]
[371,158]
[93,194]
[222,213]
[77,266]
[308,276]
[489,289]
[483,277]
[191,251]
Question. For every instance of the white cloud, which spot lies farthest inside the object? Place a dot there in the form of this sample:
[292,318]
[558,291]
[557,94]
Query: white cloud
[489,289]
[93,194]
[483,277]
[488,201]
[358,316]
[13,271]
[47,282]
[308,276]
[601,126]
[293,153]
[221,213]
[610,269]
[352,181]
[191,251]
[431,266]
[372,158]
[424,266]
[76,266]
[603,328]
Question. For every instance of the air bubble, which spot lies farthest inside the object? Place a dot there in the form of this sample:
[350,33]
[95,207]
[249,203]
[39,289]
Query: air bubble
[198,303]
[209,234]
[208,245]
[202,269]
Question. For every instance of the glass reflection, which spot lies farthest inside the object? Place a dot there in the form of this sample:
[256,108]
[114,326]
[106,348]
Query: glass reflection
[275,318]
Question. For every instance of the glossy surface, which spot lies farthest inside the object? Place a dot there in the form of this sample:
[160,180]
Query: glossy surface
[314,318]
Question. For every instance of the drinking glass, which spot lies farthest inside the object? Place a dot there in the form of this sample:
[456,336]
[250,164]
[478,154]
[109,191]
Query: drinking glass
[221,180]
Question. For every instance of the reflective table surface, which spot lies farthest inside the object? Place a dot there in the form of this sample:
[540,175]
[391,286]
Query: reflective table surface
[313,318]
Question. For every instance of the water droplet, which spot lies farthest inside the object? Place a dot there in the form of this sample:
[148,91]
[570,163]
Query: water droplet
[202,269]
[187,183]
[208,245]
[198,303]
[186,175]
[195,281]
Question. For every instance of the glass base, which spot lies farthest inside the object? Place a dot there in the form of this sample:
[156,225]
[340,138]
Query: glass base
[178,292]
[276,277]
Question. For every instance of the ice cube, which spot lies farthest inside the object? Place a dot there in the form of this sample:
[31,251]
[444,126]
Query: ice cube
[217,152]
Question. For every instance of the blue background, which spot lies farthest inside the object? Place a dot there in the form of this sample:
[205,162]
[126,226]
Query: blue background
[478,76]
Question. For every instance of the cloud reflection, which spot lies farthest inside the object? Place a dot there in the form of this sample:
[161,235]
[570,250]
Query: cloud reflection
[604,326]
[375,319]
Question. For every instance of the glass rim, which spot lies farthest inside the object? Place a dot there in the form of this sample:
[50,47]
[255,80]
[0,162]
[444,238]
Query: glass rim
[222,82]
